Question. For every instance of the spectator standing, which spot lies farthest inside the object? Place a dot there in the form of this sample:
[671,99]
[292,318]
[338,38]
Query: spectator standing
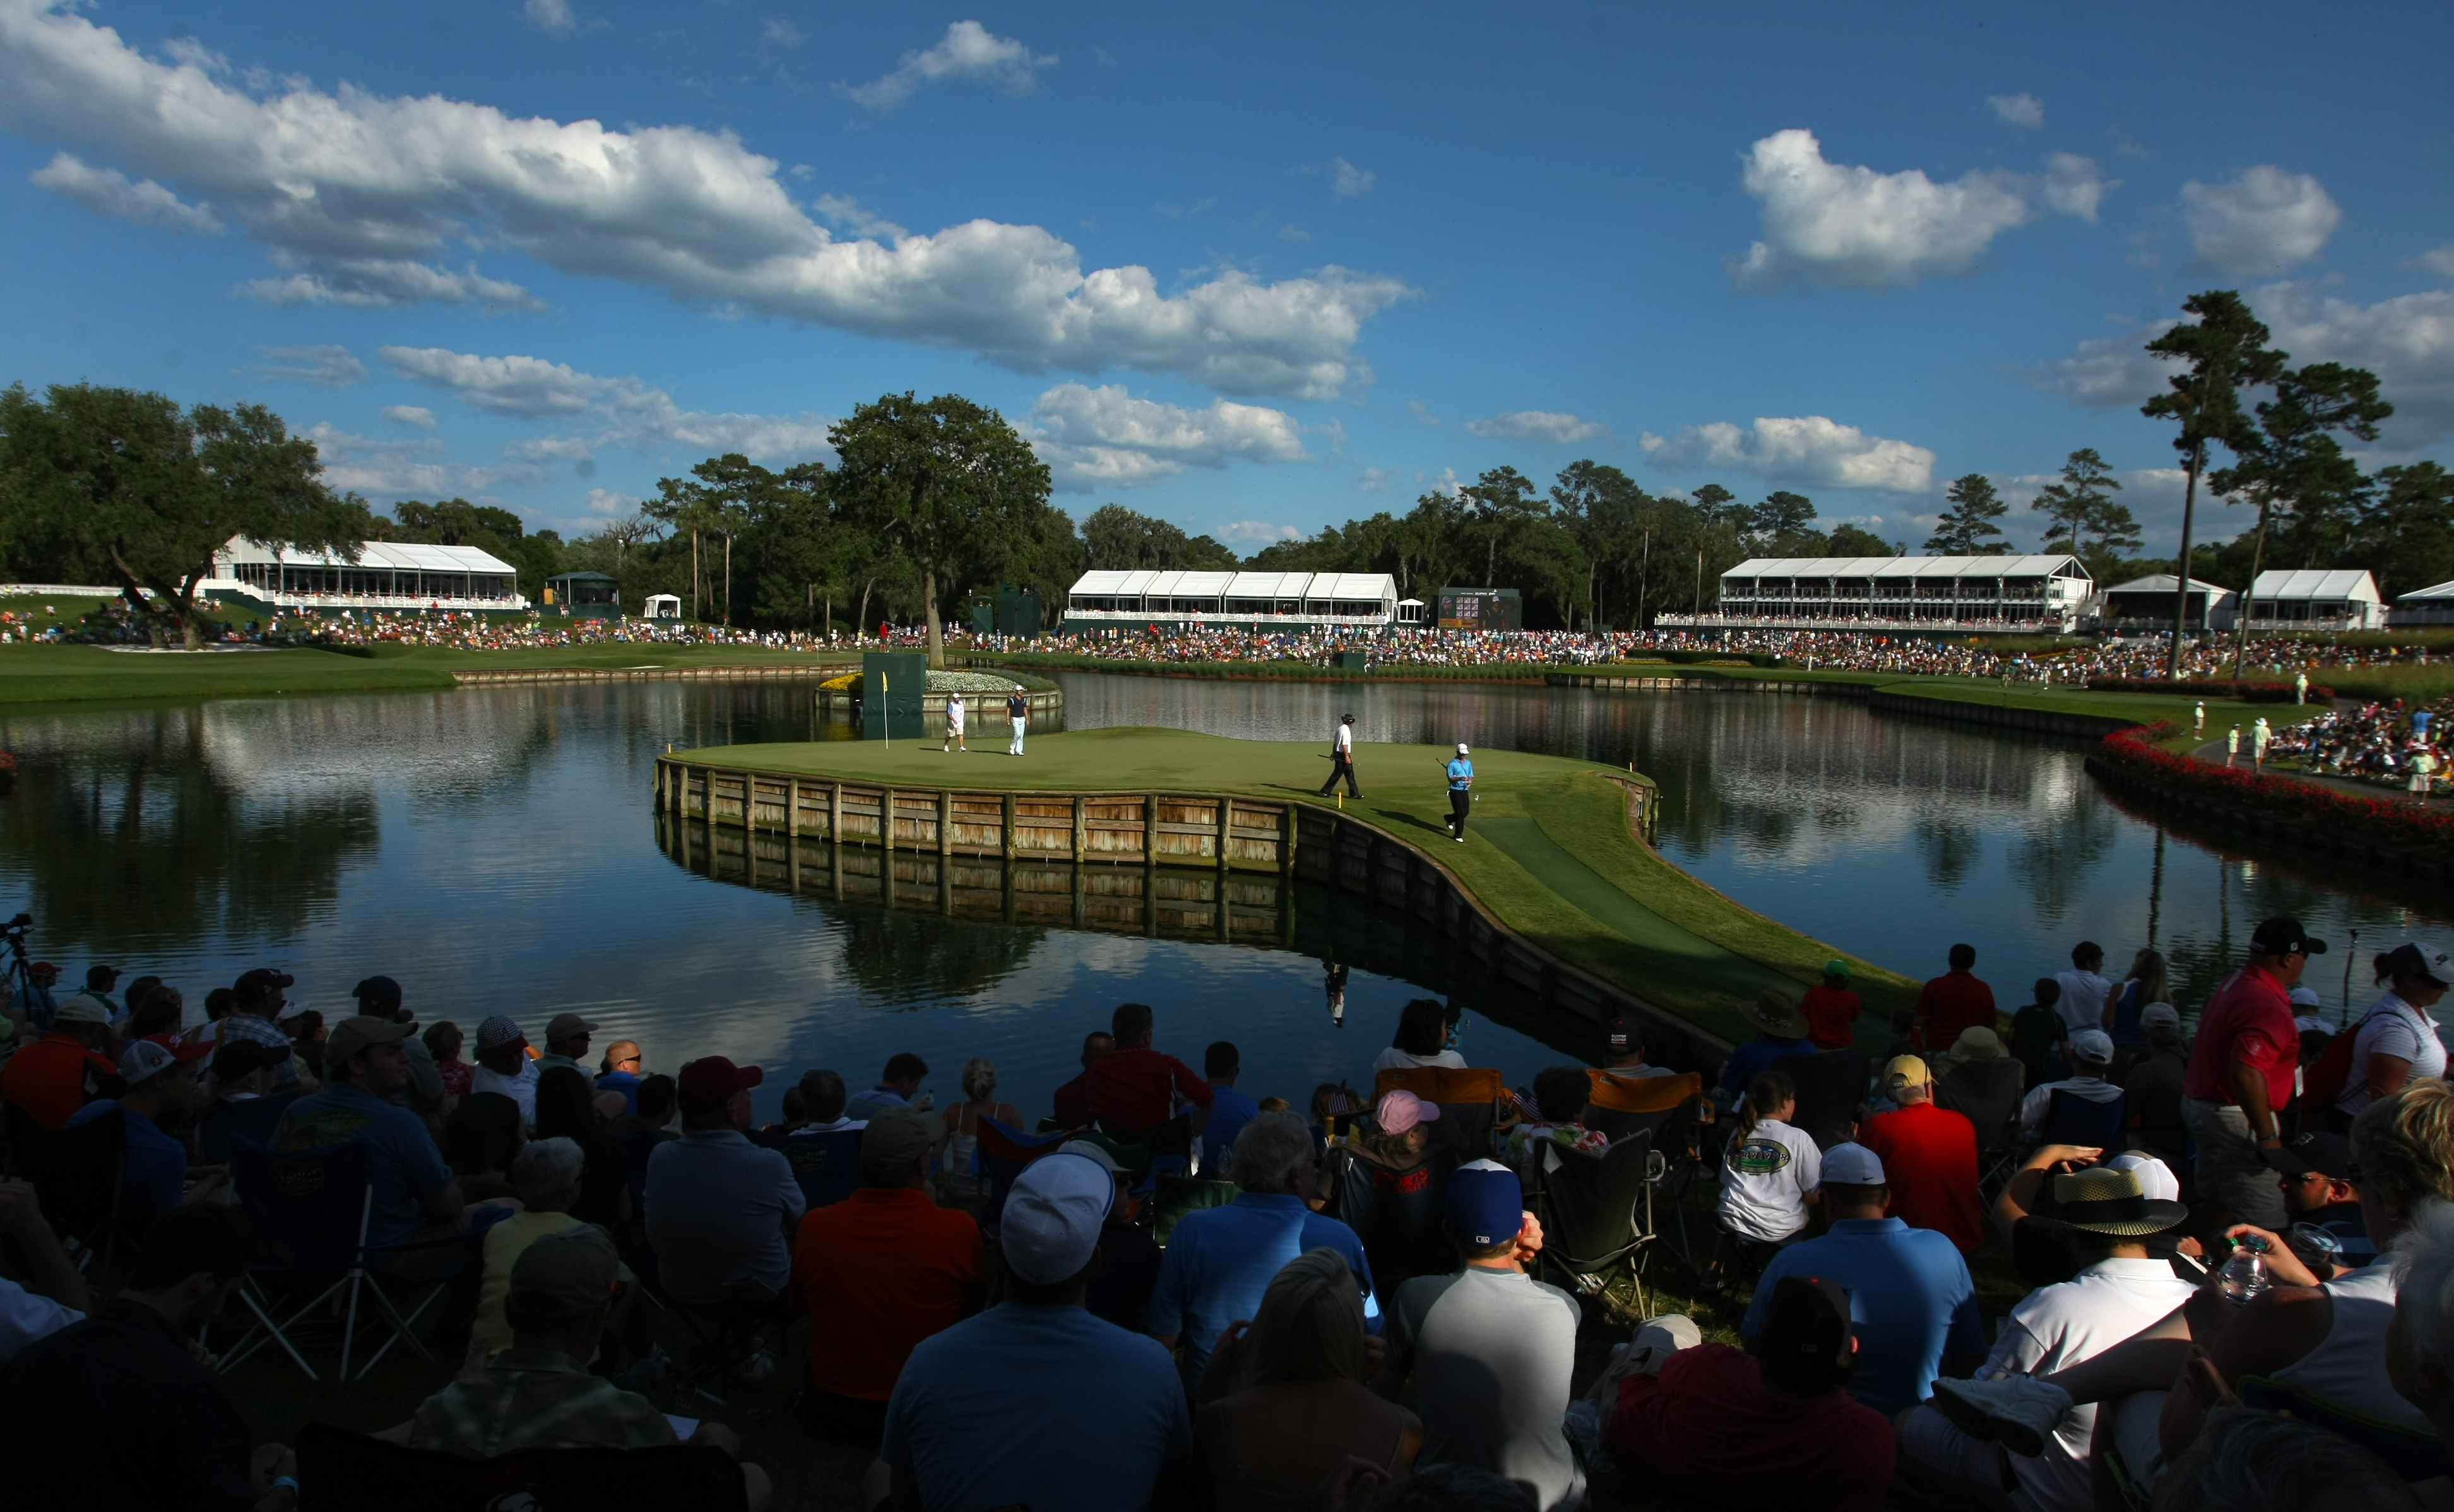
[1074,1099]
[65,1069]
[53,1295]
[504,1067]
[566,1110]
[880,1272]
[566,1041]
[1780,1030]
[2039,1033]
[416,1198]
[2242,1072]
[2147,982]
[1230,1110]
[1219,1260]
[1912,1301]
[157,1108]
[1133,1088]
[1772,1427]
[719,1207]
[1956,1000]
[2397,1039]
[126,1412]
[1491,1348]
[1422,1039]
[898,1085]
[1036,1403]
[2152,1086]
[961,1133]
[2091,1059]
[1769,1174]
[2086,995]
[1929,1159]
[1830,1008]
[620,1072]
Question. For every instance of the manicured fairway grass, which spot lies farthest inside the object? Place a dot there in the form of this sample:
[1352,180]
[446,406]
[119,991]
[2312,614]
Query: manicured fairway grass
[1548,848]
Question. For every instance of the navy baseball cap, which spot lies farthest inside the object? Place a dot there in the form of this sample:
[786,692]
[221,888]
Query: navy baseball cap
[1486,1204]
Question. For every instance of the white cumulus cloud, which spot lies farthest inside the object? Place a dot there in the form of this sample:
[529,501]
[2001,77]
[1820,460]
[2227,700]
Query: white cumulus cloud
[2438,260]
[1105,437]
[1844,227]
[1347,181]
[1539,425]
[2108,372]
[967,50]
[1804,449]
[2262,221]
[405,469]
[1257,534]
[2407,341]
[357,196]
[605,411]
[109,191]
[416,415]
[606,501]
[333,367]
[2025,111]
[1374,480]
[551,15]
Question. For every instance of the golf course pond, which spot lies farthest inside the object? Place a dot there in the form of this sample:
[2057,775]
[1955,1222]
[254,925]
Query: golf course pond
[497,850]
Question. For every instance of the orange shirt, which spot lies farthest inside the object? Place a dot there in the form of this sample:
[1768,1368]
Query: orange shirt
[54,1077]
[880,1272]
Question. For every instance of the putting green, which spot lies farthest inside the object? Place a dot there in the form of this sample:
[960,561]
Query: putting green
[1548,848]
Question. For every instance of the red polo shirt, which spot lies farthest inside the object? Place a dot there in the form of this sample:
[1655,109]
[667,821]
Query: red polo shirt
[1130,1089]
[1929,1157]
[54,1077]
[1829,1013]
[1954,1001]
[2249,1019]
[878,1272]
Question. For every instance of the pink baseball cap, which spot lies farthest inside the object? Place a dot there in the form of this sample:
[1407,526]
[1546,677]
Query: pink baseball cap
[1401,1111]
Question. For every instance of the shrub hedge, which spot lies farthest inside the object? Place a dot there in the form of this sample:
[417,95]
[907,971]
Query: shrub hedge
[2385,820]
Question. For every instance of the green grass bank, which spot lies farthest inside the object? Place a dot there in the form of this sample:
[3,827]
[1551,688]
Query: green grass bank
[82,674]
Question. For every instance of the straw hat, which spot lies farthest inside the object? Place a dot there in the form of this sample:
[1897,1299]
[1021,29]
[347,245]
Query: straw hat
[2107,1200]
[1773,1012]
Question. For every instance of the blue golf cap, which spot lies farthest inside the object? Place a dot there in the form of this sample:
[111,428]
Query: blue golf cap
[1486,1204]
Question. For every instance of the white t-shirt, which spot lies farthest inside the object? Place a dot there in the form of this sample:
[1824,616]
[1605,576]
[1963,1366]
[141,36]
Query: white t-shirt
[2054,1327]
[1394,1058]
[953,714]
[520,1089]
[1346,739]
[1765,1177]
[2394,1028]
[2082,1003]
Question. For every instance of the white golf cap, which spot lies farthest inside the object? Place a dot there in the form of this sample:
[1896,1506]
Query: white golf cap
[1461,748]
[2157,1181]
[1853,1164]
[1053,1215]
[2093,1046]
[2435,959]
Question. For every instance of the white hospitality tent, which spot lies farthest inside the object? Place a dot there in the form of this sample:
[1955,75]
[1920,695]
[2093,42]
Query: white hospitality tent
[2317,598]
[2427,606]
[386,575]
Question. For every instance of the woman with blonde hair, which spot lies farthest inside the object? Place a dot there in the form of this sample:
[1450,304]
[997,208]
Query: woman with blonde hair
[963,1126]
[1285,1403]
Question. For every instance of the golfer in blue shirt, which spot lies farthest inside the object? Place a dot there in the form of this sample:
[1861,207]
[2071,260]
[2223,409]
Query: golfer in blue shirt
[1460,791]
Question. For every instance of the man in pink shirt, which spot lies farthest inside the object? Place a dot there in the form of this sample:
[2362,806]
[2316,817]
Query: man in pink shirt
[2241,1073]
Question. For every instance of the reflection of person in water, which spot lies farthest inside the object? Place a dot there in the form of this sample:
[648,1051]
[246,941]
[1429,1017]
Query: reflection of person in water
[1333,983]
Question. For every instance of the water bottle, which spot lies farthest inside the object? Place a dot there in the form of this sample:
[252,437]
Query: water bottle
[2245,1273]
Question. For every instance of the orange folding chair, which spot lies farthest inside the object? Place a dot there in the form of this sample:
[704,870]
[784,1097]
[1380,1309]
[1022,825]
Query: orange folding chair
[1471,1099]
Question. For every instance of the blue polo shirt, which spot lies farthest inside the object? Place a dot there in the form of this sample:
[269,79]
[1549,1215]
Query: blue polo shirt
[157,1164]
[1911,1302]
[1460,774]
[1220,1262]
[1230,1110]
[625,1083]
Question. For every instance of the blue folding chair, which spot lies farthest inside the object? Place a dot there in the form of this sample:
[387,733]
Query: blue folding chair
[256,1122]
[312,1209]
[2074,1119]
[827,1165]
[1003,1150]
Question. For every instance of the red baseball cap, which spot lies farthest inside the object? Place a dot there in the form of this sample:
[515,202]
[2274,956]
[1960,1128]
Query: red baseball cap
[710,1083]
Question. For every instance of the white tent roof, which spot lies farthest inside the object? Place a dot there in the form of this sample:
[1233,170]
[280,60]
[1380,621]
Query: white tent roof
[393,555]
[2163,583]
[2341,584]
[2426,594]
[1353,586]
[1268,585]
[1907,566]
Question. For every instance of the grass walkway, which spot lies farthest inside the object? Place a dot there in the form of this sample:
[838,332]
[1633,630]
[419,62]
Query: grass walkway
[1547,850]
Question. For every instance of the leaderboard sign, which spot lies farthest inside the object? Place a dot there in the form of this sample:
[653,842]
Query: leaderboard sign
[1480,609]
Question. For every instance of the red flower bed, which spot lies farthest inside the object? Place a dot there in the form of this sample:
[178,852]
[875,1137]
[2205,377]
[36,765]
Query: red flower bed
[2246,692]
[2381,820]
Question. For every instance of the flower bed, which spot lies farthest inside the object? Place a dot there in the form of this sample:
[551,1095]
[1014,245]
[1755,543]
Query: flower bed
[2211,688]
[2383,820]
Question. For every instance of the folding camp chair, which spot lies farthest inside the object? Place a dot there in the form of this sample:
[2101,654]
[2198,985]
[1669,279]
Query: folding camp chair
[80,1177]
[1397,1213]
[827,1165]
[1986,1093]
[1004,1150]
[313,1209]
[1664,1109]
[2073,1119]
[1831,1094]
[340,1468]
[254,1121]
[1469,1099]
[1596,1215]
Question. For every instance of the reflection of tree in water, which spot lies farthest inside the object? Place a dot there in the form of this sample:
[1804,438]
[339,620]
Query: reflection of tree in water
[908,957]
[2055,854]
[138,826]
[1951,850]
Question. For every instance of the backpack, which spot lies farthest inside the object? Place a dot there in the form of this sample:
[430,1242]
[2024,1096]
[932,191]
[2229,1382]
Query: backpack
[2323,1082]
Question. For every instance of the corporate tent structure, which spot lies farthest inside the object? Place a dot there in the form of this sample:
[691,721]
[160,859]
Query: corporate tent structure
[2146,604]
[387,574]
[1141,599]
[1967,594]
[2429,606]
[2316,600]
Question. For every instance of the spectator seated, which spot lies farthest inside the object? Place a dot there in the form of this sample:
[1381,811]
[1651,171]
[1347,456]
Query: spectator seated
[1387,1182]
[719,1209]
[1469,1099]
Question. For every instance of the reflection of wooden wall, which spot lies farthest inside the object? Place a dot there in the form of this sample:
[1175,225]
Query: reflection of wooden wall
[1171,865]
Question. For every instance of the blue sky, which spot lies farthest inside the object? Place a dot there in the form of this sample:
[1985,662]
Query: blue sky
[1255,271]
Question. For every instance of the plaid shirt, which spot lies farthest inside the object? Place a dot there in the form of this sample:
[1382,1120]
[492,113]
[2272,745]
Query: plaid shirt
[536,1399]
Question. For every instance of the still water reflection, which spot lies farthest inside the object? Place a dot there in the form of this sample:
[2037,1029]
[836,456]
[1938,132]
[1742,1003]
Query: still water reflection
[494,850]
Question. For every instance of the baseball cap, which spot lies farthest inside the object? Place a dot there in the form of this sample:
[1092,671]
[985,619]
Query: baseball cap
[1909,1071]
[140,1063]
[43,968]
[1852,1164]
[1050,1224]
[498,1031]
[2305,998]
[81,1008]
[1836,967]
[2313,1153]
[2093,1046]
[2285,937]
[2160,1015]
[710,1084]
[1486,1204]
[571,1271]
[562,1026]
[261,980]
[1462,750]
[357,1032]
[2157,1181]
[894,1141]
[1401,1111]
[2435,959]
[1623,1036]
[376,990]
[1806,1316]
